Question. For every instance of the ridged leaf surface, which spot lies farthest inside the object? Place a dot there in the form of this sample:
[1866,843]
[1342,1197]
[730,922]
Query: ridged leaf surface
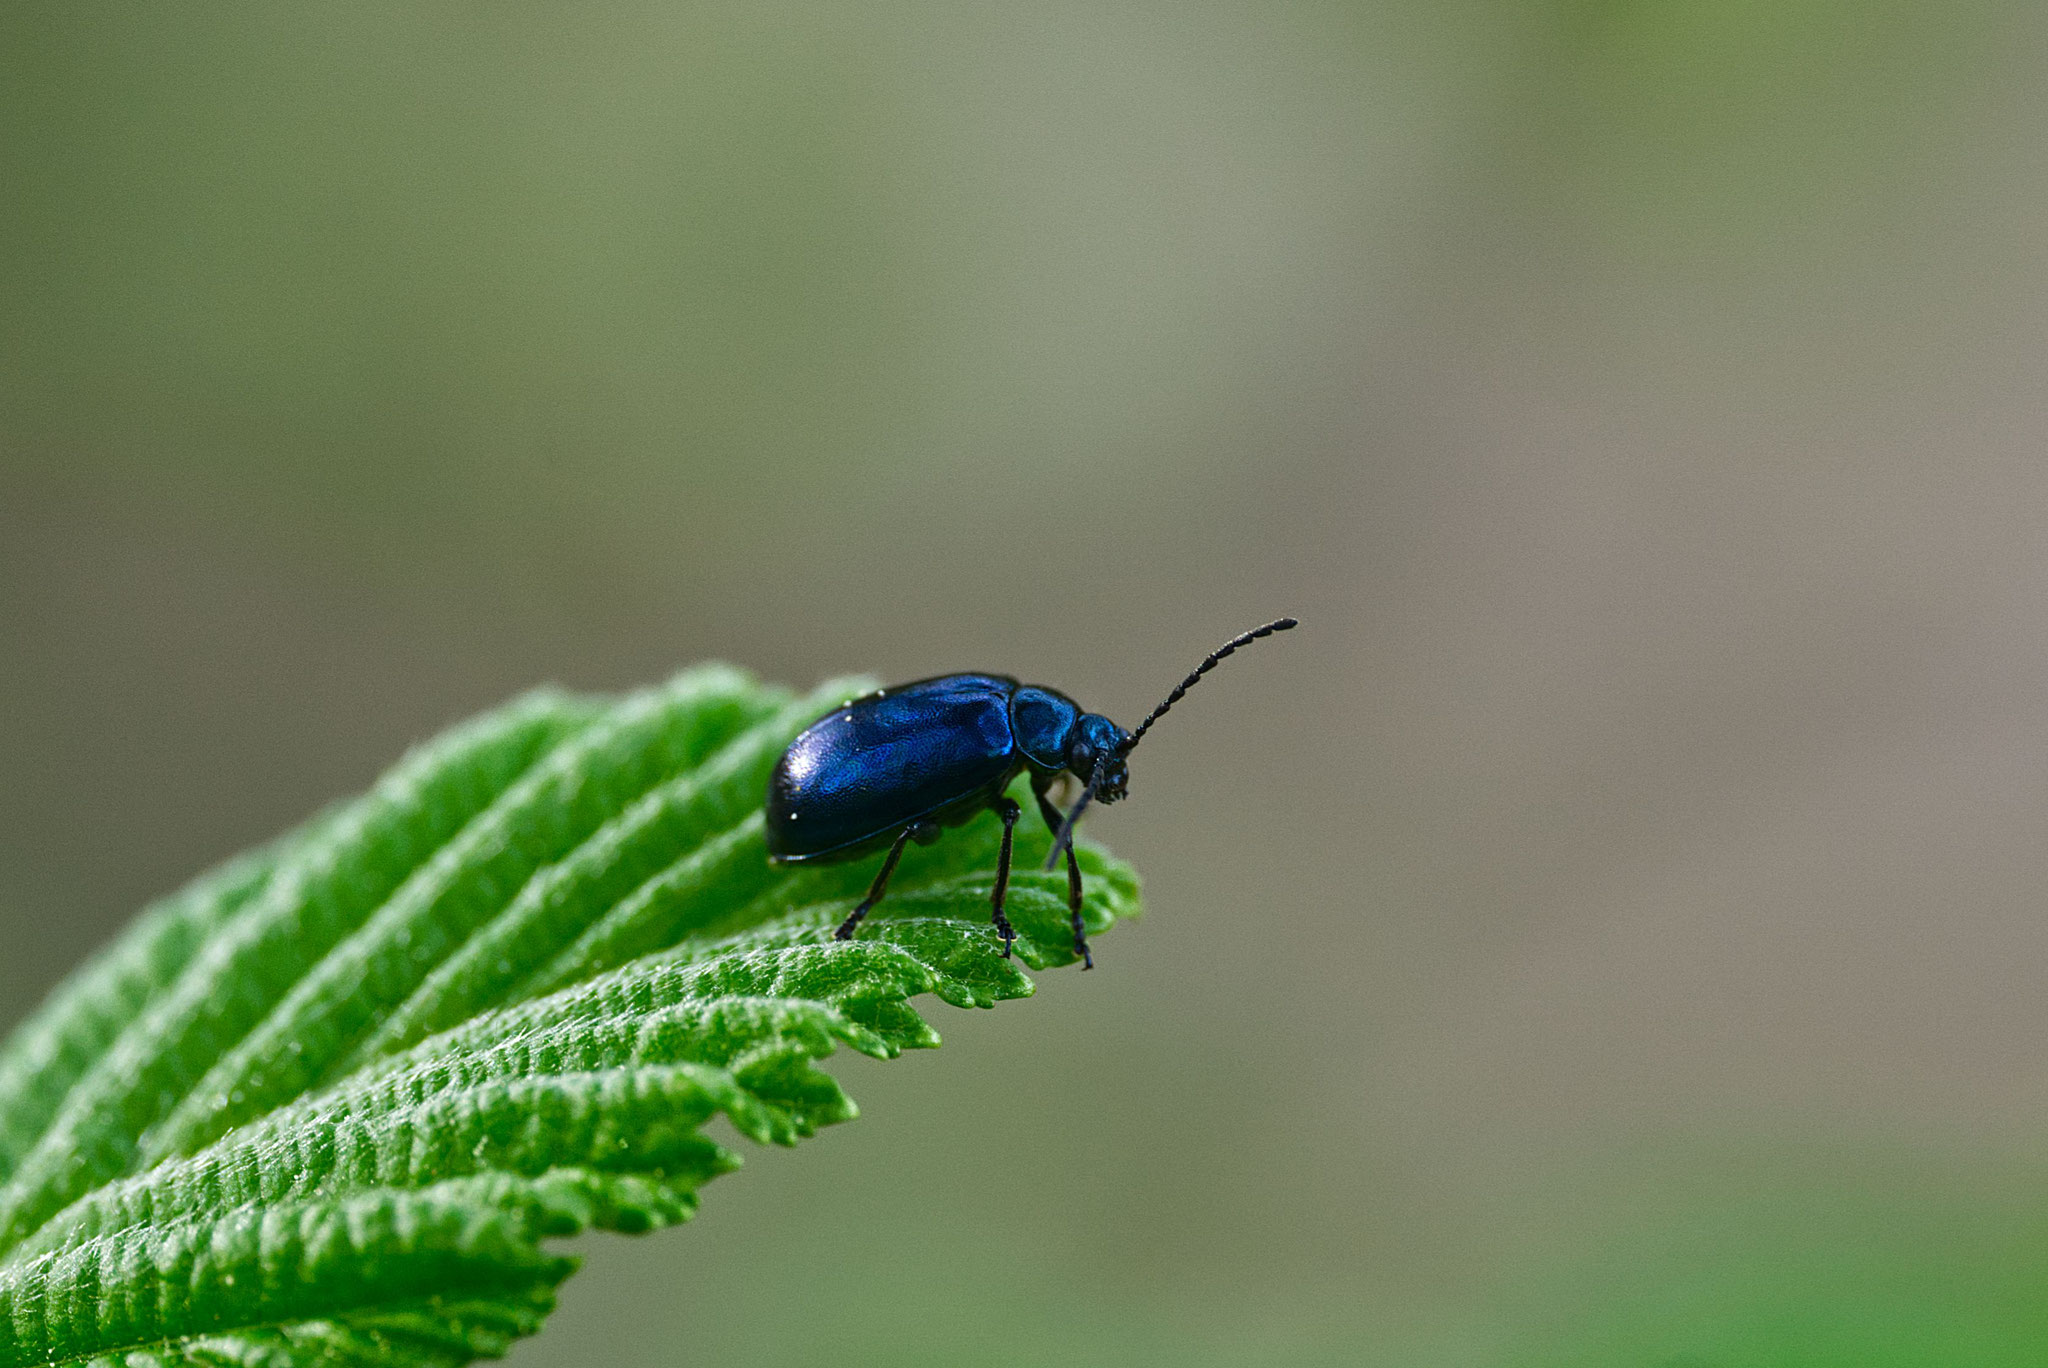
[328,1104]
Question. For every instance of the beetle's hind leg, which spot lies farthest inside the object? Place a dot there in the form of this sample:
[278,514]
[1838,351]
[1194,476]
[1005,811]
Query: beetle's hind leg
[924,833]
[1053,821]
[1007,809]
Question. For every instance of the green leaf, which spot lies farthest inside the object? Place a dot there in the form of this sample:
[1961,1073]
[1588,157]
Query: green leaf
[328,1104]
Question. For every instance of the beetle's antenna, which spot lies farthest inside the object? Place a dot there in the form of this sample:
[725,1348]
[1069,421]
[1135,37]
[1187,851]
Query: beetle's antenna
[1208,664]
[1066,833]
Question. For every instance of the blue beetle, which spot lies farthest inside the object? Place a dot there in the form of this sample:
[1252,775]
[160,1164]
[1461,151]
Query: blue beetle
[902,764]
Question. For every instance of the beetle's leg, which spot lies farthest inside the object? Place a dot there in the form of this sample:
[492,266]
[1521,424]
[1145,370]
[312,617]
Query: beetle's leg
[1053,821]
[1007,809]
[881,883]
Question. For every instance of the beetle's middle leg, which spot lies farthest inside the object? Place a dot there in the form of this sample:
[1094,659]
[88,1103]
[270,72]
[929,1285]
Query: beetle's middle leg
[1053,820]
[923,833]
[1007,809]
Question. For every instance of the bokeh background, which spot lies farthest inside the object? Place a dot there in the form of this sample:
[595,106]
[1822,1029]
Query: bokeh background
[1611,931]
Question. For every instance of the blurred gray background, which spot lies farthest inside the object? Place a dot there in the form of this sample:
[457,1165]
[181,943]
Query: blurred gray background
[1612,928]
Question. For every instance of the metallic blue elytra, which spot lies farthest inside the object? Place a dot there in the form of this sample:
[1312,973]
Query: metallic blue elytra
[904,763]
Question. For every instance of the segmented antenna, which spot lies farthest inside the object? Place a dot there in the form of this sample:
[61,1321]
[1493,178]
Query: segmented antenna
[1180,691]
[1066,835]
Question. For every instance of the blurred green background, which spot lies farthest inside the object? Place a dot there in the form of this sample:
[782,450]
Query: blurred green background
[1610,932]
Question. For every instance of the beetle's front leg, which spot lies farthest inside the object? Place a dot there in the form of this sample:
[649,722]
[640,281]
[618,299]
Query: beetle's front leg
[1007,809]
[1053,819]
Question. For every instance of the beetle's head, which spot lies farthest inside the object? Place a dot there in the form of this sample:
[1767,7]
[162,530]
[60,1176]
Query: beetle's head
[1097,748]
[1097,741]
